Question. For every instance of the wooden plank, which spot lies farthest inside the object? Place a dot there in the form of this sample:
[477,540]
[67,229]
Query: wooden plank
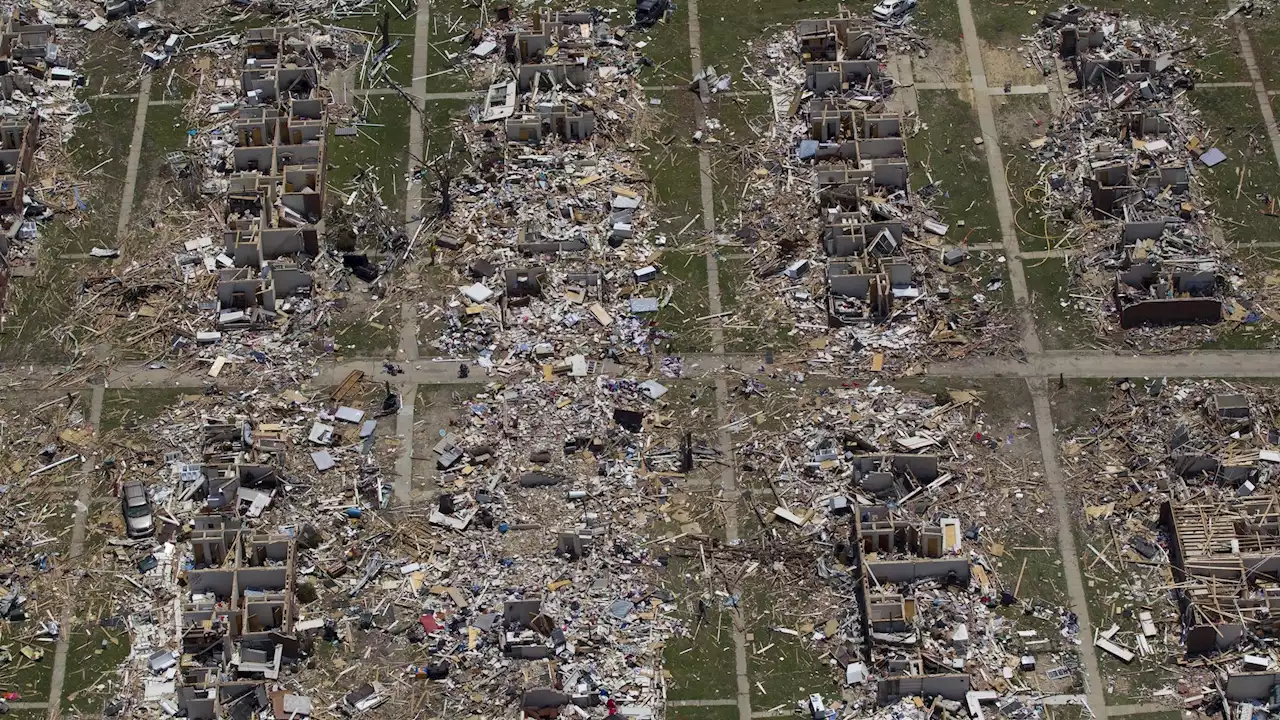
[348,384]
[1123,654]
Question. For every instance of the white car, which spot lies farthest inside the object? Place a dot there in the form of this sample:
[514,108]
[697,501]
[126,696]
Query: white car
[891,9]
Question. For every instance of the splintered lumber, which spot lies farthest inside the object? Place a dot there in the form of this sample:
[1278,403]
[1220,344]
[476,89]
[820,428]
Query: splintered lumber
[348,384]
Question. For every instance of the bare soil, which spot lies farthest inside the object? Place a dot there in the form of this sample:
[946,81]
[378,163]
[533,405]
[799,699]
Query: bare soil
[1007,65]
[944,63]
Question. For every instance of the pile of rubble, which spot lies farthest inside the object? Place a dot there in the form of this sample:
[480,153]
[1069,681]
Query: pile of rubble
[886,485]
[552,176]
[1180,507]
[259,282]
[529,583]
[882,278]
[38,113]
[257,506]
[41,446]
[549,242]
[537,578]
[1118,162]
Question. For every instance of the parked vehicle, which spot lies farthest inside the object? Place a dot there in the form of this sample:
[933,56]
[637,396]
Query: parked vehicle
[892,9]
[136,507]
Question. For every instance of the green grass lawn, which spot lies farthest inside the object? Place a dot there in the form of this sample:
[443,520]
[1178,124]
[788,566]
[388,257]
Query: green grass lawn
[98,153]
[943,155]
[113,64]
[1016,121]
[130,409]
[1219,59]
[667,45]
[401,16]
[706,712]
[449,22]
[795,666]
[29,678]
[1003,23]
[439,132]
[165,132]
[751,329]
[729,26]
[1235,127]
[1264,37]
[1078,402]
[441,138]
[91,679]
[1037,575]
[701,665]
[377,335]
[1060,328]
[101,144]
[1109,602]
[670,159]
[686,274]
[444,73]
[1256,336]
[382,148]
[940,20]
[742,122]
[397,68]
[177,80]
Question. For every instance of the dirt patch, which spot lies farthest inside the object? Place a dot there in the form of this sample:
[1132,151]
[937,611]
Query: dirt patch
[1077,402]
[1020,118]
[965,94]
[945,63]
[1006,64]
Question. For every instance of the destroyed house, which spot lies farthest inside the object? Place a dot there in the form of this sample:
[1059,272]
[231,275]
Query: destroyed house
[866,268]
[275,197]
[1225,551]
[894,477]
[1162,278]
[21,46]
[1205,460]
[1090,47]
[1146,294]
[857,292]
[24,44]
[571,34]
[1164,269]
[1122,75]
[551,64]
[892,549]
[866,265]
[829,121]
[840,75]
[570,125]
[227,444]
[868,149]
[531,242]
[532,638]
[241,490]
[834,39]
[248,299]
[277,63]
[1115,187]
[18,139]
[546,77]
[237,620]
